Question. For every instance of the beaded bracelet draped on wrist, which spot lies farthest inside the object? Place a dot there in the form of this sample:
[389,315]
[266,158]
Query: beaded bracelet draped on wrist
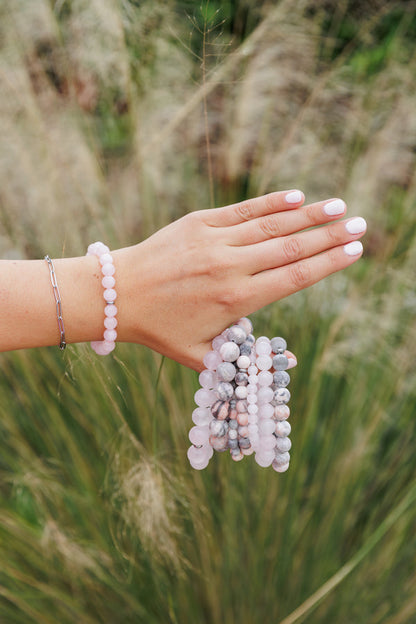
[242,404]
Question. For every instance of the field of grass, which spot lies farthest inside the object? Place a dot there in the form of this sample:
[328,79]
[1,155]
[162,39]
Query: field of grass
[116,117]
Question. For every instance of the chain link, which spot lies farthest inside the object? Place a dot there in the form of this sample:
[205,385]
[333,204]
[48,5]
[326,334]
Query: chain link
[58,303]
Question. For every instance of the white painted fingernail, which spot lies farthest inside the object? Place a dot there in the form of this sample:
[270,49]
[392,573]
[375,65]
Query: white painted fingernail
[294,197]
[356,226]
[292,362]
[334,207]
[353,249]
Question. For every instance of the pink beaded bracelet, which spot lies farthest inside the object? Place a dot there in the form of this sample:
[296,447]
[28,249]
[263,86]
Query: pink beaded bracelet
[104,347]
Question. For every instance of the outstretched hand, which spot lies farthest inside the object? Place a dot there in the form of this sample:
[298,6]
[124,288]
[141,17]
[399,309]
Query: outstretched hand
[190,280]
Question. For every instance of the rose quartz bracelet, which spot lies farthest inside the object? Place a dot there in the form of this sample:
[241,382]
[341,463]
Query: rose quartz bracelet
[104,347]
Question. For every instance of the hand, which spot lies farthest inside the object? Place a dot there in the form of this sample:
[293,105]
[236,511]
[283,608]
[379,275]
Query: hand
[185,284]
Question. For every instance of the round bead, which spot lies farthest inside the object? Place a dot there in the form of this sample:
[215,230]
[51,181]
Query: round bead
[265,395]
[250,339]
[204,398]
[207,379]
[245,348]
[110,322]
[110,310]
[248,451]
[226,371]
[252,379]
[219,444]
[265,378]
[263,339]
[110,294]
[282,429]
[246,324]
[243,361]
[252,430]
[242,418]
[264,362]
[202,416]
[278,344]
[241,379]
[110,335]
[224,391]
[241,392]
[278,468]
[241,406]
[281,412]
[229,351]
[264,458]
[266,427]
[237,455]
[267,443]
[280,362]
[199,435]
[263,348]
[266,411]
[282,458]
[243,431]
[251,398]
[252,408]
[198,457]
[283,444]
[282,396]
[232,434]
[232,443]
[252,389]
[252,419]
[244,443]
[218,342]
[281,379]
[233,424]
[221,409]
[252,369]
[106,258]
[212,359]
[108,281]
[108,269]
[236,334]
[218,428]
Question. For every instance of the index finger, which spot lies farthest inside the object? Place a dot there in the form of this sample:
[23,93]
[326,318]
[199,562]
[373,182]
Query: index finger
[253,208]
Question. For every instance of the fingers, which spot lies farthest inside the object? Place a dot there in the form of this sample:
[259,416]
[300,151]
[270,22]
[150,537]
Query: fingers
[274,284]
[284,223]
[253,208]
[288,249]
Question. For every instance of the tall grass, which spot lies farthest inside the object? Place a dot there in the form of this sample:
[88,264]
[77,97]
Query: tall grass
[103,134]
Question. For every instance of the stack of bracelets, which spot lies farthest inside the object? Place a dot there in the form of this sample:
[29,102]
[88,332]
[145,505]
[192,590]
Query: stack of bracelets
[242,405]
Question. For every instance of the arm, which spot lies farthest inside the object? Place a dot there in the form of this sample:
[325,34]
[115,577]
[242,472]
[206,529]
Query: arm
[186,283]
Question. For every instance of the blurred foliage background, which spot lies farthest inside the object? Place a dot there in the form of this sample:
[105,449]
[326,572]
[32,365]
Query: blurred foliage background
[116,117]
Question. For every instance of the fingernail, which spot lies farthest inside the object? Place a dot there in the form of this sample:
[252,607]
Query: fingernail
[292,362]
[294,197]
[334,207]
[353,249]
[356,226]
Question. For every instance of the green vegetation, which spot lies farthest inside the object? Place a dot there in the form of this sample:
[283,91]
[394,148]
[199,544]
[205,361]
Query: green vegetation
[103,135]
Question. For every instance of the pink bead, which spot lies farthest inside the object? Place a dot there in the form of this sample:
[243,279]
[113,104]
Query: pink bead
[278,468]
[212,359]
[252,369]
[218,342]
[110,294]
[264,458]
[252,398]
[108,269]
[266,411]
[110,322]
[106,258]
[264,362]
[252,430]
[264,395]
[263,348]
[108,281]
[207,379]
[252,408]
[252,419]
[198,457]
[267,443]
[267,427]
[103,347]
[242,418]
[110,310]
[110,335]
[248,451]
[199,435]
[204,398]
[202,416]
[265,378]
[243,361]
[246,324]
[281,412]
[243,431]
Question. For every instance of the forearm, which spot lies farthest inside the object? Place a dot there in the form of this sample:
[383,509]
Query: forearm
[28,316]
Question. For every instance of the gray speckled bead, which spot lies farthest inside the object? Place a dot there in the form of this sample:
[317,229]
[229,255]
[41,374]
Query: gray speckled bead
[278,344]
[236,454]
[281,379]
[283,429]
[218,428]
[221,409]
[230,351]
[282,458]
[233,424]
[280,362]
[232,443]
[224,391]
[241,379]
[244,443]
[245,348]
[278,468]
[281,396]
[226,371]
[250,339]
[236,334]
[232,434]
[219,444]
[283,444]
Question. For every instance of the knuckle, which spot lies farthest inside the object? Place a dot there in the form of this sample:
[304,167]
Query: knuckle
[333,257]
[292,249]
[245,210]
[231,298]
[312,216]
[300,275]
[270,226]
[332,235]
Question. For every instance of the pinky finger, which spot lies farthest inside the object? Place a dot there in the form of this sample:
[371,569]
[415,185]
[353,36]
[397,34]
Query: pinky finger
[275,284]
